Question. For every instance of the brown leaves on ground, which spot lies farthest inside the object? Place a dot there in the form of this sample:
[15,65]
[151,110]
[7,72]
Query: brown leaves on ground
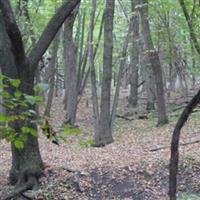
[125,169]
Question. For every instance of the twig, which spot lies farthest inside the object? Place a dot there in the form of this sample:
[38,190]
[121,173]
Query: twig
[182,144]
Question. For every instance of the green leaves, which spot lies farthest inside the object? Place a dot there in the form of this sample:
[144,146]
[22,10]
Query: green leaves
[16,124]
[41,87]
[19,144]
[15,82]
[30,131]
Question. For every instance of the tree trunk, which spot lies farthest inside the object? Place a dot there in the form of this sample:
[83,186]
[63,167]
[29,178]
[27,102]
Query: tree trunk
[175,144]
[92,69]
[26,163]
[155,63]
[120,74]
[103,135]
[134,65]
[174,159]
[52,69]
[71,70]
[149,82]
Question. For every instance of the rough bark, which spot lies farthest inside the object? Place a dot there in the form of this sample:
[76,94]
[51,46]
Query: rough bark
[134,65]
[27,163]
[104,134]
[155,63]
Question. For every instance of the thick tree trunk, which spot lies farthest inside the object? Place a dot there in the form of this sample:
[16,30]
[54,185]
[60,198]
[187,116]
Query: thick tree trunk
[155,63]
[26,163]
[134,65]
[104,134]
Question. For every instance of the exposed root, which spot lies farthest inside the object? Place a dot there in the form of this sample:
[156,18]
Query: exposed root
[20,188]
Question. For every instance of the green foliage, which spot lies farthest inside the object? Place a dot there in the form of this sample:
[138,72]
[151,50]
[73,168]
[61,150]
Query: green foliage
[18,112]
[70,130]
[87,143]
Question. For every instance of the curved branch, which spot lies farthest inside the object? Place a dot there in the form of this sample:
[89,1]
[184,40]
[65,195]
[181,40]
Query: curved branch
[50,31]
[175,144]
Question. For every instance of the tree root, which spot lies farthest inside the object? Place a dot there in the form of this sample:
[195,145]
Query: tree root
[30,184]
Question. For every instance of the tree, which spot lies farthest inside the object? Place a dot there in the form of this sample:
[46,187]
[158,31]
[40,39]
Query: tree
[174,158]
[27,165]
[134,63]
[52,71]
[70,61]
[155,63]
[103,134]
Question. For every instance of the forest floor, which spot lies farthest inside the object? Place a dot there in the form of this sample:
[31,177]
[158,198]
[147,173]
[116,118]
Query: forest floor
[129,168]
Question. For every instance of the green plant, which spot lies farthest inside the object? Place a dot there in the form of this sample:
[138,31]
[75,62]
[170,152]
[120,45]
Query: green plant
[19,111]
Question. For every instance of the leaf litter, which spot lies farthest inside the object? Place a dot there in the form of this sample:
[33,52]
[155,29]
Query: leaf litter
[125,169]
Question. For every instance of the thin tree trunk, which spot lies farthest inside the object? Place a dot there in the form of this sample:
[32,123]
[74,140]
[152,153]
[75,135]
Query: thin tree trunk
[120,74]
[175,144]
[52,69]
[134,65]
[174,159]
[92,68]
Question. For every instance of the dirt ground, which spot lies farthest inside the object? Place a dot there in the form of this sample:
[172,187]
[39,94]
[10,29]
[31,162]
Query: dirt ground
[125,169]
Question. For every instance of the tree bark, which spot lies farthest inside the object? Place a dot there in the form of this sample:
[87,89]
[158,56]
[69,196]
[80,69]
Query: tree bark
[104,134]
[134,65]
[155,63]
[92,69]
[71,70]
[27,164]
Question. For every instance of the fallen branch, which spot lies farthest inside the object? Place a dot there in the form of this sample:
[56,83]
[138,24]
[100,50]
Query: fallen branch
[124,117]
[182,144]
